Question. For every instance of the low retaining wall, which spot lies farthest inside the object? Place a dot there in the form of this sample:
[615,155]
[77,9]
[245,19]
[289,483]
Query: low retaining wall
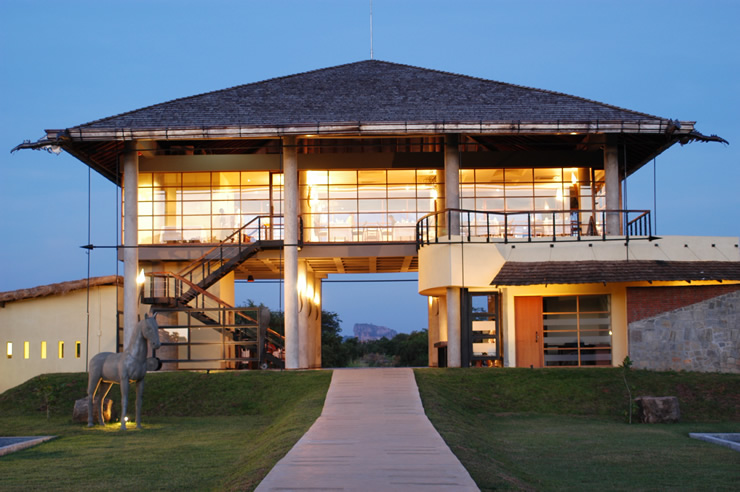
[701,337]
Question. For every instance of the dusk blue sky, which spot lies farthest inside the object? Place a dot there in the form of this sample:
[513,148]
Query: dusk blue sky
[67,63]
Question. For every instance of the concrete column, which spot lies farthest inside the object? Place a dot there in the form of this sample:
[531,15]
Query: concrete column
[452,180]
[318,296]
[433,330]
[613,190]
[305,312]
[130,240]
[454,355]
[290,252]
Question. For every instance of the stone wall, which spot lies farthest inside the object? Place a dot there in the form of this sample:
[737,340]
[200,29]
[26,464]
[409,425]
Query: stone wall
[704,336]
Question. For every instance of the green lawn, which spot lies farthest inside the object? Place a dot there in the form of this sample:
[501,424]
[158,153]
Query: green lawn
[218,431]
[566,429]
[516,429]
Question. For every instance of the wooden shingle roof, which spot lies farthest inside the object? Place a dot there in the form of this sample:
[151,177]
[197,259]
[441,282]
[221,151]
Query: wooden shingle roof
[586,272]
[368,91]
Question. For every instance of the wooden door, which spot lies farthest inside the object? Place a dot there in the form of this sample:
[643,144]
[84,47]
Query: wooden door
[528,324]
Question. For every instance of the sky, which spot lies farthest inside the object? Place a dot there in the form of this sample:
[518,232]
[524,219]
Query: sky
[66,63]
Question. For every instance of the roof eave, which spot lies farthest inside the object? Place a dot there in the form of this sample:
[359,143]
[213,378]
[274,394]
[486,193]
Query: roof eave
[649,126]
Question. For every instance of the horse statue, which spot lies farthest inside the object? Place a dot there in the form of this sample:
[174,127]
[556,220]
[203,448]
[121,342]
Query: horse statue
[131,365]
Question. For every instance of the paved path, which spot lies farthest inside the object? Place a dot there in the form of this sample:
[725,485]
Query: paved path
[372,435]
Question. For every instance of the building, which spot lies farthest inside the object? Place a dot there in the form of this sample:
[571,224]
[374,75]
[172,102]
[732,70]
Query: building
[57,328]
[507,200]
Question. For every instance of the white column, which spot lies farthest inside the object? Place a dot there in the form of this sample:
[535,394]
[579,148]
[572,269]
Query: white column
[613,190]
[454,356]
[316,362]
[433,330]
[452,180]
[305,306]
[130,240]
[290,252]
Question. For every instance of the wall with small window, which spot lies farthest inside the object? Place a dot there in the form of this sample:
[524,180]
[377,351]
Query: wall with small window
[50,334]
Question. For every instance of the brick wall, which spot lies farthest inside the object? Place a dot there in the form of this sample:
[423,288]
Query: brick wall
[645,302]
[704,336]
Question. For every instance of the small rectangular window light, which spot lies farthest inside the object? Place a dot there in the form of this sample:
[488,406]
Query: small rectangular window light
[26,350]
[43,350]
[9,350]
[78,350]
[61,350]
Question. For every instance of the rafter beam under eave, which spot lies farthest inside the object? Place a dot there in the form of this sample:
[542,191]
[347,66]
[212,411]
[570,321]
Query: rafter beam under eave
[339,265]
[406,263]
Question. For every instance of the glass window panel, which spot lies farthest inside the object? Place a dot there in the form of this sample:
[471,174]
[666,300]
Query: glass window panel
[518,175]
[518,204]
[255,207]
[166,179]
[342,177]
[425,207]
[489,190]
[489,175]
[371,191]
[428,176]
[372,205]
[431,192]
[145,222]
[342,192]
[255,193]
[467,203]
[195,221]
[560,321]
[401,191]
[548,175]
[343,206]
[230,179]
[519,190]
[197,179]
[371,177]
[196,193]
[316,177]
[145,180]
[559,304]
[561,339]
[145,194]
[145,208]
[407,176]
[402,205]
[467,175]
[548,204]
[489,204]
[594,303]
[467,190]
[226,193]
[253,178]
[196,208]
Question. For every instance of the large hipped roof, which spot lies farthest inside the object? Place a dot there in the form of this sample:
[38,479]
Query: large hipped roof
[370,92]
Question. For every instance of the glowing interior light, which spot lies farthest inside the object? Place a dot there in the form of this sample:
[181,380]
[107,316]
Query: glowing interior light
[573,178]
[559,195]
[316,299]
[140,278]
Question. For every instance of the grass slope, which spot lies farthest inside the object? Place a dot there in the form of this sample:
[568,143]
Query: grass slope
[218,431]
[523,429]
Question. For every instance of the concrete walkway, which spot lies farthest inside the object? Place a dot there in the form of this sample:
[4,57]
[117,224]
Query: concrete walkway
[372,435]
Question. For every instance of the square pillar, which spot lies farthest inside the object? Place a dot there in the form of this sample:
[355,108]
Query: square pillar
[290,252]
[613,190]
[130,240]
[454,353]
[452,181]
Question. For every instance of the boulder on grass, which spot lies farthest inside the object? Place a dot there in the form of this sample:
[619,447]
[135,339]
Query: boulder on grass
[657,409]
[79,414]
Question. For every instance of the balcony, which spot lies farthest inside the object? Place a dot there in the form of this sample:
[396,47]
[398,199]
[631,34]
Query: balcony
[457,225]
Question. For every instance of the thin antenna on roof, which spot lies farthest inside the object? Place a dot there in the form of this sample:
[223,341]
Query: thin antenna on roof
[371,29]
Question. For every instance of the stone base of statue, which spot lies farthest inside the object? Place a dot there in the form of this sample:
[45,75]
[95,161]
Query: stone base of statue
[79,414]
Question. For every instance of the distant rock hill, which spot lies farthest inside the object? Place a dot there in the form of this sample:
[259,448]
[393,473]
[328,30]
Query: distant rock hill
[366,332]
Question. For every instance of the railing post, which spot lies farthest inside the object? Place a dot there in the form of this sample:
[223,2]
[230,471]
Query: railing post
[506,228]
[529,227]
[554,228]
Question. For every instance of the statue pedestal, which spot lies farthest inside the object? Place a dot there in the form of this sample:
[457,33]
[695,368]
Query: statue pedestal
[79,414]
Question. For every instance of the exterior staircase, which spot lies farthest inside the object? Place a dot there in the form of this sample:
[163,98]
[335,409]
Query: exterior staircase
[187,290]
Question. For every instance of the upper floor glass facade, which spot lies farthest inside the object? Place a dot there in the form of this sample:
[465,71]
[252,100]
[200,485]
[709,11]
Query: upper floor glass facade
[354,205]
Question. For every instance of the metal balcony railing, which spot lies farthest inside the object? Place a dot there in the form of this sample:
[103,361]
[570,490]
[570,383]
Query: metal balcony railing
[537,225]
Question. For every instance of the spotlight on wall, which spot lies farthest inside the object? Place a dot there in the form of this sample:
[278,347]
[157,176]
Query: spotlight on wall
[250,278]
